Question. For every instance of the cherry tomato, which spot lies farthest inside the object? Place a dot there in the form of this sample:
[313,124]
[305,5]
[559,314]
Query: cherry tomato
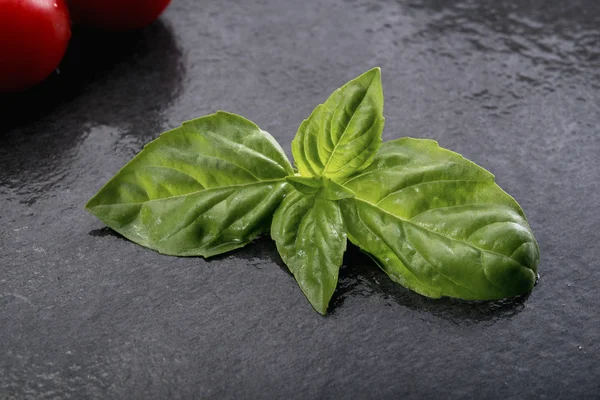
[34,35]
[116,15]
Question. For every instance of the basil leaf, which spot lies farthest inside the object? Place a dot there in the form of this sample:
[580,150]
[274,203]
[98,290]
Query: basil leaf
[439,225]
[342,135]
[205,188]
[311,239]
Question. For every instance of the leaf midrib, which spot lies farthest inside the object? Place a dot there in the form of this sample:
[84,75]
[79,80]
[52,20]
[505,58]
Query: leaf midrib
[192,193]
[215,138]
[389,247]
[439,234]
[345,130]
[412,185]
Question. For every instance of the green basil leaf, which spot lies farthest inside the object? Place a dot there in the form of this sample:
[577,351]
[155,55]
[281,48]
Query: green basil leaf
[204,188]
[310,236]
[439,225]
[342,135]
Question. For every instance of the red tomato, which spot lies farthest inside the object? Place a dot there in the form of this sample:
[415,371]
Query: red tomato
[116,15]
[33,39]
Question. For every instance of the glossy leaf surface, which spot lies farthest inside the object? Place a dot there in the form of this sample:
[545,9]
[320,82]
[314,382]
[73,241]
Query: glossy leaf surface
[342,135]
[439,225]
[205,188]
[310,237]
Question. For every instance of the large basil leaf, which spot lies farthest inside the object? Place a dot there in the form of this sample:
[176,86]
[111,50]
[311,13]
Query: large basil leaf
[310,236]
[342,135]
[439,225]
[205,188]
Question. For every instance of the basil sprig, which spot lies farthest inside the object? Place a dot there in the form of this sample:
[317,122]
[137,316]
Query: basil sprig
[433,221]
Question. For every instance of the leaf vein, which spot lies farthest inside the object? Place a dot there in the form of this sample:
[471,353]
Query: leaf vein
[485,226]
[400,257]
[174,169]
[424,183]
[345,129]
[194,193]
[436,233]
[365,149]
[238,146]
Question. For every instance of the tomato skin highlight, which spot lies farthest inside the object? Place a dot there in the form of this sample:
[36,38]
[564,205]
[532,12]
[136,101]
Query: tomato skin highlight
[34,35]
[116,15]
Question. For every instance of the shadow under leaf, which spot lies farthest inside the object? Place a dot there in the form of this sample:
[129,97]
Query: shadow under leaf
[260,251]
[106,231]
[360,277]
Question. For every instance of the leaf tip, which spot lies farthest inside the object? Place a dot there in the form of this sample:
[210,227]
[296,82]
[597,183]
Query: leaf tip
[319,307]
[90,204]
[322,311]
[372,81]
[374,74]
[222,112]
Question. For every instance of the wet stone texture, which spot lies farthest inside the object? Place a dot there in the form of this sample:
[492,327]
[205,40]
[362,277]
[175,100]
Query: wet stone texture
[513,85]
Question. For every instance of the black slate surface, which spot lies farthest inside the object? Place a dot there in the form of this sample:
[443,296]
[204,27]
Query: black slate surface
[513,85]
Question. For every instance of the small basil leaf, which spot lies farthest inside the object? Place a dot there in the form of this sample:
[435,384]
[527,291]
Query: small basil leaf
[306,185]
[205,188]
[311,239]
[439,225]
[342,135]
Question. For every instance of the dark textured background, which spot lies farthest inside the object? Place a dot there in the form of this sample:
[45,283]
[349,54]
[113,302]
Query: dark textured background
[513,85]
